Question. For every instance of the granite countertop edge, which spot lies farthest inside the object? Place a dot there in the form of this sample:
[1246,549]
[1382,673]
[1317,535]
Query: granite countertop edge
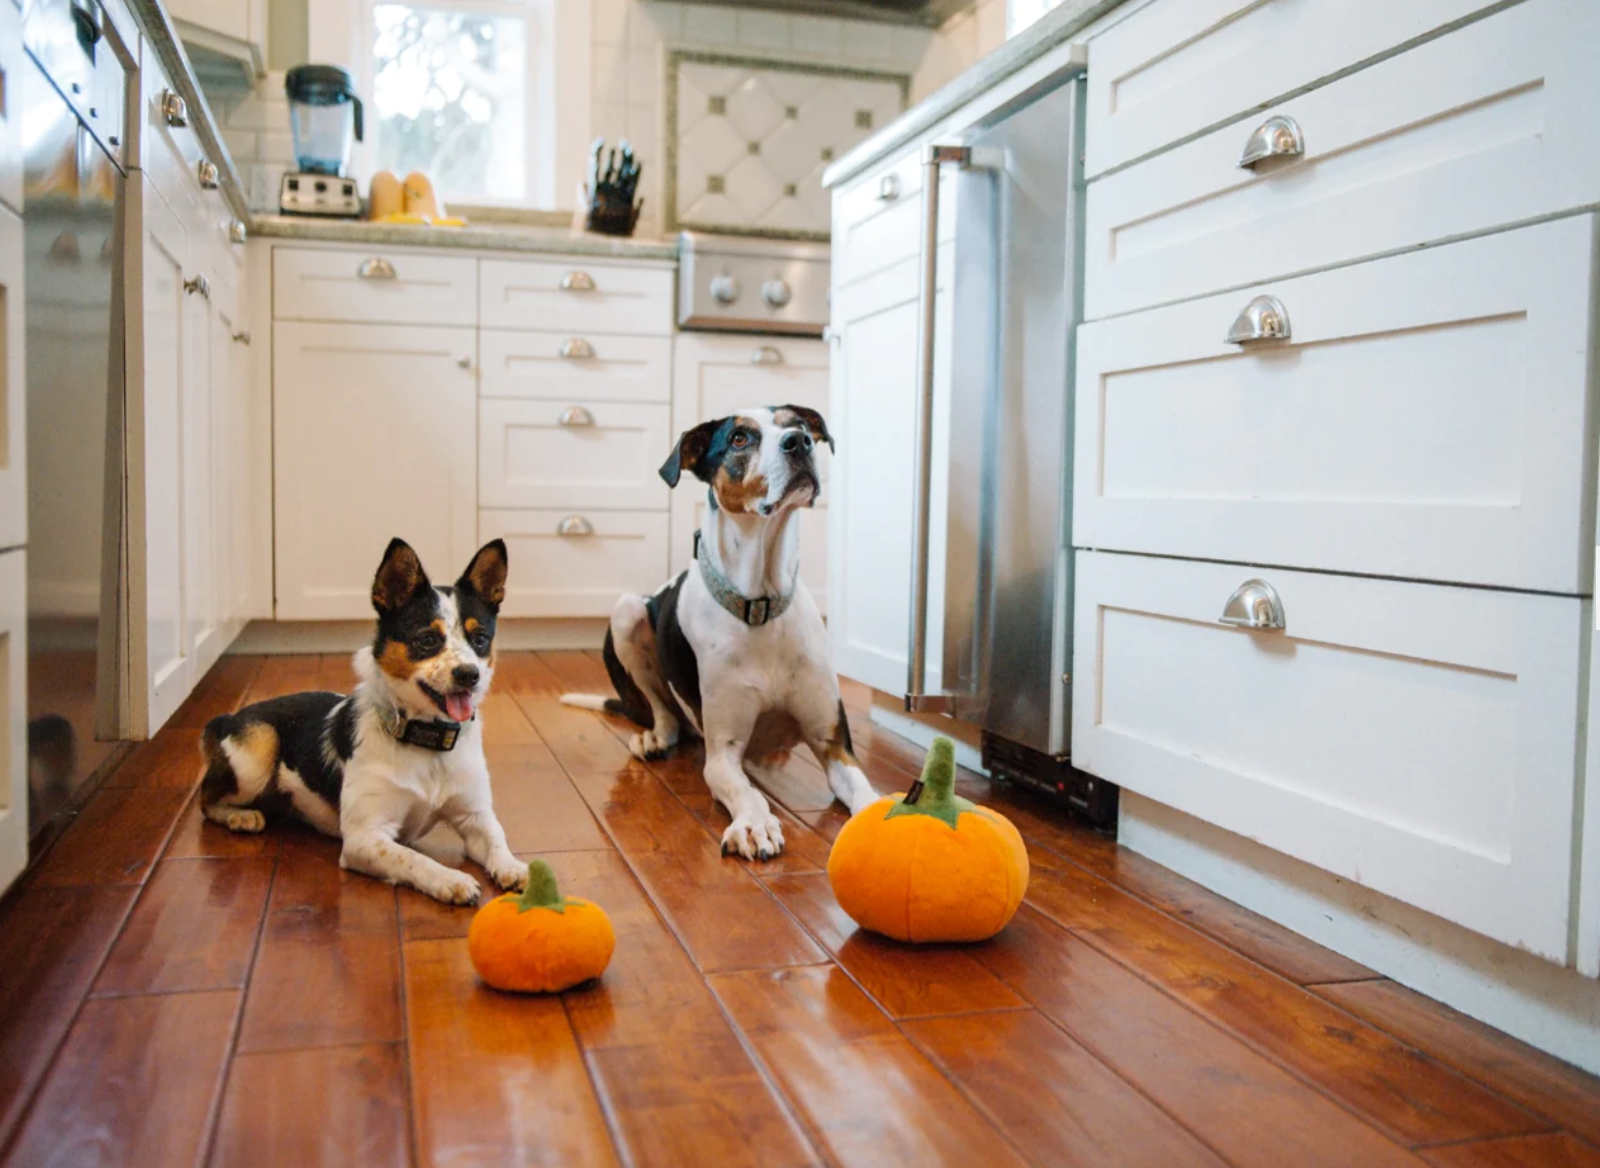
[1051,30]
[501,238]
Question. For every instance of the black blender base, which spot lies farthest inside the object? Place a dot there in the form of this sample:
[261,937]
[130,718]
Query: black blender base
[1085,797]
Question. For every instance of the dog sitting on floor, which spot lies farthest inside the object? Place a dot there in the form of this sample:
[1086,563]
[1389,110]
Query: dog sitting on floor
[381,767]
[734,648]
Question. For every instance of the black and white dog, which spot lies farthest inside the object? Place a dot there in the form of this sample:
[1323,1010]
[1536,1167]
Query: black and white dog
[734,647]
[403,753]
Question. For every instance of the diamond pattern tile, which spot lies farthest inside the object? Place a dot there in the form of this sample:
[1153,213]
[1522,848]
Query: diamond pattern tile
[752,138]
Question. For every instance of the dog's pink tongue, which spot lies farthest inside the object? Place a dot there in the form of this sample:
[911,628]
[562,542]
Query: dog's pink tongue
[458,706]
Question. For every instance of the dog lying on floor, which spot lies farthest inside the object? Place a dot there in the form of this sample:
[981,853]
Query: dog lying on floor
[734,647]
[403,753]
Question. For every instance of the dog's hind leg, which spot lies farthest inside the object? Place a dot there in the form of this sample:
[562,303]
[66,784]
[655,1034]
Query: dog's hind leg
[636,672]
[240,759]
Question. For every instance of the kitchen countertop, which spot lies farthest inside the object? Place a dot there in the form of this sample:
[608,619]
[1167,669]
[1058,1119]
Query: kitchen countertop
[1051,30]
[476,237]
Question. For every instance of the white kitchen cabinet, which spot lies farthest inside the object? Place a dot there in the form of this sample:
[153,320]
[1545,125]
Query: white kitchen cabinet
[579,295]
[716,376]
[157,440]
[374,436]
[577,563]
[597,455]
[237,28]
[555,366]
[13,387]
[1171,69]
[872,412]
[1417,739]
[1428,419]
[379,287]
[14,710]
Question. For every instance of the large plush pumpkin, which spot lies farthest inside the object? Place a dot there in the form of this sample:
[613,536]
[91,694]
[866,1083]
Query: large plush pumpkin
[540,941]
[930,865]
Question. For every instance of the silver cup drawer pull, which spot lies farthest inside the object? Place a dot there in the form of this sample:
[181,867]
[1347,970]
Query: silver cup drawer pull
[210,177]
[376,268]
[888,188]
[766,355]
[173,109]
[198,285]
[1277,137]
[577,349]
[1255,604]
[574,525]
[1263,319]
[577,282]
[575,416]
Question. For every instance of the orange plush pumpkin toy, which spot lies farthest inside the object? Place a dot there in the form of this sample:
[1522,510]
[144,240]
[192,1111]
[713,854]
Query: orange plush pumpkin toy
[930,866]
[540,941]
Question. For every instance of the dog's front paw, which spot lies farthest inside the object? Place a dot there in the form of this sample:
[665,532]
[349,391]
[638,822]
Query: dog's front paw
[755,837]
[509,875]
[650,745]
[246,820]
[453,888]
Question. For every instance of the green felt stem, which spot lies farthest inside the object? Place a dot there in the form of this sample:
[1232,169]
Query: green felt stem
[938,798]
[542,890]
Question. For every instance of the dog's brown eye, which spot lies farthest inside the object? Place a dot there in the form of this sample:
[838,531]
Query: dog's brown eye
[741,440]
[428,644]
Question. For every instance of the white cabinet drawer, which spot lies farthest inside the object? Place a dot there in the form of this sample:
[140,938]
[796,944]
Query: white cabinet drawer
[581,454]
[1171,69]
[387,287]
[877,222]
[1427,419]
[566,365]
[1416,739]
[577,295]
[1496,123]
[572,563]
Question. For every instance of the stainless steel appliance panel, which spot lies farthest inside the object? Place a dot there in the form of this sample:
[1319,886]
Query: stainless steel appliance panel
[1015,282]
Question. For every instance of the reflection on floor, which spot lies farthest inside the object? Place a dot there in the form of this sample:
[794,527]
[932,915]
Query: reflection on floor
[176,995]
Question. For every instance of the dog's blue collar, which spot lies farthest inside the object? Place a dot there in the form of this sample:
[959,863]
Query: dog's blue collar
[753,611]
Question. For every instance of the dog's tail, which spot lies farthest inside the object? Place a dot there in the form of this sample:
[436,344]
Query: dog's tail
[592,702]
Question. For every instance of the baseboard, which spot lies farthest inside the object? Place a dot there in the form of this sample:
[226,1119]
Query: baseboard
[273,638]
[1547,1006]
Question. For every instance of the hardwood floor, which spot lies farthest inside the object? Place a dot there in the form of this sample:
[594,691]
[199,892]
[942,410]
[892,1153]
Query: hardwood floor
[175,995]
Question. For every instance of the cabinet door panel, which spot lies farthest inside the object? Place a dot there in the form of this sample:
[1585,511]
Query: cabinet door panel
[164,380]
[538,454]
[581,573]
[373,438]
[1420,740]
[13,386]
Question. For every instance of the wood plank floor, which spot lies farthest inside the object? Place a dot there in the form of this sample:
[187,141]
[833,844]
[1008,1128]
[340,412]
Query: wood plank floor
[174,995]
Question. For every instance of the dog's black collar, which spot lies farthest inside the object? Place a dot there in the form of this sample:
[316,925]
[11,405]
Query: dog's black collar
[430,734]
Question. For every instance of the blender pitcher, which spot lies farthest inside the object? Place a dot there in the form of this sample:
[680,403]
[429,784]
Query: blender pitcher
[325,117]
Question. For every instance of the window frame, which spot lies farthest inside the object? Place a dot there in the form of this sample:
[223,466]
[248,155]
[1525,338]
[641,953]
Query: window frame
[540,94]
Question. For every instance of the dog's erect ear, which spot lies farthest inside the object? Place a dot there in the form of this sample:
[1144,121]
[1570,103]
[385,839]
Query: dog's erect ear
[812,421]
[485,577]
[690,454]
[399,578]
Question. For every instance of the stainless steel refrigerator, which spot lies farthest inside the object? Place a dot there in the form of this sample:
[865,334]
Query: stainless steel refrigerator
[998,547]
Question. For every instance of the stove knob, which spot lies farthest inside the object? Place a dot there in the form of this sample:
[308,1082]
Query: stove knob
[776,293]
[725,289]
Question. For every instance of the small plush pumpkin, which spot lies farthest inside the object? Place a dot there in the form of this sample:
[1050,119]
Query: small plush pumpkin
[540,941]
[930,865]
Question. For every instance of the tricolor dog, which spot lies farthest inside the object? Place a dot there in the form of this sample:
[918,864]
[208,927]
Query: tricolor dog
[402,753]
[734,649]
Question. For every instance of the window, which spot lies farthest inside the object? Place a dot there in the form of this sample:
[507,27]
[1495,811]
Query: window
[452,96]
[1021,13]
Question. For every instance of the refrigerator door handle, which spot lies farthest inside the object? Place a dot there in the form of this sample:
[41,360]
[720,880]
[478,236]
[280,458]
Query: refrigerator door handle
[916,698]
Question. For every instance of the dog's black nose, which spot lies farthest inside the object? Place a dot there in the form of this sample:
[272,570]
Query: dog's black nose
[795,442]
[466,676]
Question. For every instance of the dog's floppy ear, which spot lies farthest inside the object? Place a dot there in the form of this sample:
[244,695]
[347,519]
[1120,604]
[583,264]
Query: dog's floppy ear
[690,453]
[485,577]
[812,421]
[399,578]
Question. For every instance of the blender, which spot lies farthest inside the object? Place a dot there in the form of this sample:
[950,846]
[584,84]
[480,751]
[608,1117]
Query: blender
[325,116]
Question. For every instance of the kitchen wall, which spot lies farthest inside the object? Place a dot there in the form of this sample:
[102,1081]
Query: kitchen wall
[629,45]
